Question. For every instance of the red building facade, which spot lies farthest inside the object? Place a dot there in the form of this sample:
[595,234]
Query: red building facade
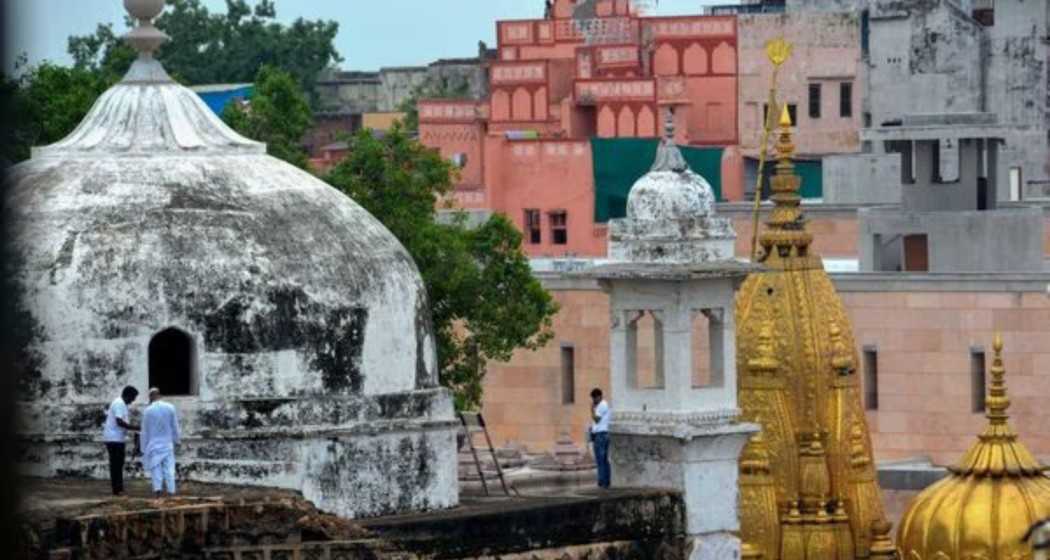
[570,77]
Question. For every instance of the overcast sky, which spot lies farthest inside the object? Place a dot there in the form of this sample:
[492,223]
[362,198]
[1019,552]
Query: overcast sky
[372,33]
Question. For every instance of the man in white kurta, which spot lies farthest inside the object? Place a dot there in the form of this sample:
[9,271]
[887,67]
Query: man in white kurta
[160,435]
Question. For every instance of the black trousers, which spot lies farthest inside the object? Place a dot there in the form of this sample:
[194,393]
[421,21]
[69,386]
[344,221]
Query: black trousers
[116,466]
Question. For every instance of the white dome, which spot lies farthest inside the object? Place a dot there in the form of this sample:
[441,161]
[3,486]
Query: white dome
[670,195]
[153,214]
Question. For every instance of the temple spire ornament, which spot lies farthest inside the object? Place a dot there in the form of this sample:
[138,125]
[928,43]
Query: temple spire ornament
[803,392]
[990,498]
[778,51]
[146,39]
[668,156]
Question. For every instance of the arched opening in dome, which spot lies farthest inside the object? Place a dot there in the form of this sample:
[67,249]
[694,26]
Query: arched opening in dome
[172,363]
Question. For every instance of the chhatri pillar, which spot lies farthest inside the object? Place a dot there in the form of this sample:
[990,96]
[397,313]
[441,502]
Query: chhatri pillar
[672,286]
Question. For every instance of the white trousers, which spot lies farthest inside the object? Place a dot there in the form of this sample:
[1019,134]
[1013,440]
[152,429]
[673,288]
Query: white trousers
[163,472]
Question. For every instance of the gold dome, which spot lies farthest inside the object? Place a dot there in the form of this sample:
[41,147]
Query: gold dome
[808,485]
[983,508]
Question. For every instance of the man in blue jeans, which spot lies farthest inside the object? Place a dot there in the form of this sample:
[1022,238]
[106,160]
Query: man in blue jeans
[600,437]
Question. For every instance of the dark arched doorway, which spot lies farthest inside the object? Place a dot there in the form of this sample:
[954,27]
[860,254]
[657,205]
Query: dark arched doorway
[171,363]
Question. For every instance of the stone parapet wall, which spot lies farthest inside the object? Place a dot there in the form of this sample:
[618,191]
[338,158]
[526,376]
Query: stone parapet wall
[622,525]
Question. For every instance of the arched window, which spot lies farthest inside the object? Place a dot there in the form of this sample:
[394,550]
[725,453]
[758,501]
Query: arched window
[172,363]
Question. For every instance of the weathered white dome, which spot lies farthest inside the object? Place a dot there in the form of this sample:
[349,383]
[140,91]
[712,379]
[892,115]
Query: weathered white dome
[670,195]
[671,215]
[157,247]
[154,214]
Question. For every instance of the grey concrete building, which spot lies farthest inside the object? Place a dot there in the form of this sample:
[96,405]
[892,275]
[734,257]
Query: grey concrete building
[949,220]
[958,56]
[385,90]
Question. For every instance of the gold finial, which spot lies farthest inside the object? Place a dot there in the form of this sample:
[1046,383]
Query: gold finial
[785,118]
[778,50]
[998,402]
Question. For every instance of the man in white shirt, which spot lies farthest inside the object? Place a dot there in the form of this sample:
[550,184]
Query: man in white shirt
[114,435]
[160,435]
[600,436]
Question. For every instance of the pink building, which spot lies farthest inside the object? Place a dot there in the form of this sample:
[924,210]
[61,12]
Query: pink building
[821,82]
[561,81]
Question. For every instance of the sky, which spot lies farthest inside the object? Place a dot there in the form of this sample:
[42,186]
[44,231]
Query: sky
[372,34]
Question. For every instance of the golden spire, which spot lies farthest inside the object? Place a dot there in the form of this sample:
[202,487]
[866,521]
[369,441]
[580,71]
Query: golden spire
[988,500]
[778,51]
[785,234]
[997,451]
[997,402]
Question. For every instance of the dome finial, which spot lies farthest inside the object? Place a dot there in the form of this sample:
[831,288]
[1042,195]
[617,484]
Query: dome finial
[145,38]
[668,156]
[998,402]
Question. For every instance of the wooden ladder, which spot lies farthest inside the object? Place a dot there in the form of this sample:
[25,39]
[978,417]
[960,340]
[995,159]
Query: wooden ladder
[474,423]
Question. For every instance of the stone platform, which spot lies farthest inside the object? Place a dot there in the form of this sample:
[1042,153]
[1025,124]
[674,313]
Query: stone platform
[77,519]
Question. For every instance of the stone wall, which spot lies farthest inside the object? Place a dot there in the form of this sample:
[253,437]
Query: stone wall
[1009,240]
[631,525]
[826,53]
[1016,89]
[921,326]
[384,91]
[862,179]
[931,56]
[355,456]
[835,226]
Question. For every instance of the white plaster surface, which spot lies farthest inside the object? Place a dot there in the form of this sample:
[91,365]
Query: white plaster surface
[313,349]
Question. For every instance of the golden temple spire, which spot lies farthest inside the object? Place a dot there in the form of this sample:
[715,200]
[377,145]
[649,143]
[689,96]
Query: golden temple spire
[785,234]
[778,51]
[998,402]
[988,500]
[997,451]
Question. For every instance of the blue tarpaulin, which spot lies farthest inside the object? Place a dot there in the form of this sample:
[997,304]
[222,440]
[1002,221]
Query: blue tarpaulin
[217,97]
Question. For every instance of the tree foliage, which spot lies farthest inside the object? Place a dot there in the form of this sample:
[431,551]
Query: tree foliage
[46,103]
[278,115]
[226,47]
[484,299]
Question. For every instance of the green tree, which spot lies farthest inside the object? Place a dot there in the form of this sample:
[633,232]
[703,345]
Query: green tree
[46,103]
[435,88]
[278,114]
[484,299]
[211,47]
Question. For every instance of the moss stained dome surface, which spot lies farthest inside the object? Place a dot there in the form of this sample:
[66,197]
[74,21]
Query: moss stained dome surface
[302,319]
